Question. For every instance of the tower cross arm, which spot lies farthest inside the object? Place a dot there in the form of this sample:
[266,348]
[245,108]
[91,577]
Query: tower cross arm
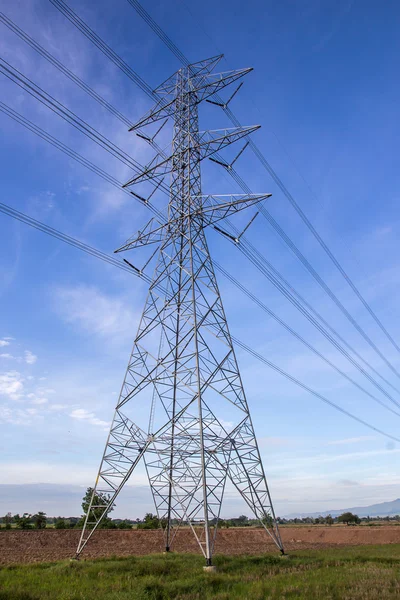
[164,108]
[210,142]
[212,211]
[149,235]
[158,167]
[203,67]
[210,84]
[206,142]
[202,84]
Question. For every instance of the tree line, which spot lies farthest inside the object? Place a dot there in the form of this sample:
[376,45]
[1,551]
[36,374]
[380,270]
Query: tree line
[347,518]
[40,520]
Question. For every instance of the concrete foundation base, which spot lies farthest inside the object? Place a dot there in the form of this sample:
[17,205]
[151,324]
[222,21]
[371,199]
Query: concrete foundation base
[210,569]
[284,556]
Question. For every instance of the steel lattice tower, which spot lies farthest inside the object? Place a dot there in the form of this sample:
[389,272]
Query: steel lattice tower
[183,382]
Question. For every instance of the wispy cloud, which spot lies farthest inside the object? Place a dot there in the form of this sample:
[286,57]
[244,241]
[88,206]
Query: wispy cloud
[85,415]
[95,312]
[4,342]
[276,442]
[57,407]
[305,462]
[354,440]
[16,416]
[11,385]
[30,358]
[40,401]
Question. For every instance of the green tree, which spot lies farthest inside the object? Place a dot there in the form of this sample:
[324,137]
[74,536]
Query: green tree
[39,520]
[348,518]
[242,519]
[99,500]
[221,523]
[7,520]
[24,522]
[268,521]
[124,525]
[329,520]
[150,521]
[60,523]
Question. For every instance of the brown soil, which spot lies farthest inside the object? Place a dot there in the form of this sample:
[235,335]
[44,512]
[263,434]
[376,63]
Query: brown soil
[50,544]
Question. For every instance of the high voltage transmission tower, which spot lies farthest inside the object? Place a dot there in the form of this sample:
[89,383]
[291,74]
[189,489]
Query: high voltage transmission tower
[182,406]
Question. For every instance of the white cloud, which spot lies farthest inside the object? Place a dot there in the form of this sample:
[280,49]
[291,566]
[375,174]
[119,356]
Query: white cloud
[40,401]
[30,358]
[95,312]
[276,442]
[83,414]
[80,413]
[354,440]
[96,421]
[11,385]
[14,416]
[7,356]
[57,407]
[306,462]
[4,342]
[35,472]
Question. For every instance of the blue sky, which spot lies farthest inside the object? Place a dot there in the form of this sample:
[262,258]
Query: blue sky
[326,91]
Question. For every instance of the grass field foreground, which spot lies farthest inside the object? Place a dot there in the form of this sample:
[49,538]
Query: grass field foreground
[352,573]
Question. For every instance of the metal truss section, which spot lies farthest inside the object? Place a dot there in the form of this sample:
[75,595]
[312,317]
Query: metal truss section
[210,213]
[182,411]
[205,144]
[202,84]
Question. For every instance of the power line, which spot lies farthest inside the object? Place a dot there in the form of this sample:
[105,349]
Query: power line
[21,120]
[111,260]
[62,68]
[19,216]
[51,102]
[71,75]
[161,34]
[305,387]
[309,268]
[103,174]
[283,324]
[292,246]
[103,47]
[10,112]
[71,241]
[267,269]
[177,374]
[81,25]
[317,325]
[96,253]
[62,111]
[175,50]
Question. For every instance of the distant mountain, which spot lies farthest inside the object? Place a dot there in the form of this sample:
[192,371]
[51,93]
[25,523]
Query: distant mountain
[384,509]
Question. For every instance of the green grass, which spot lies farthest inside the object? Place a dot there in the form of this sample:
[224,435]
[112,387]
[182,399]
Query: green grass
[353,573]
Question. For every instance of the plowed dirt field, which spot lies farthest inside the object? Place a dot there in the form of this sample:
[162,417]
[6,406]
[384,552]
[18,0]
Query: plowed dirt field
[50,544]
